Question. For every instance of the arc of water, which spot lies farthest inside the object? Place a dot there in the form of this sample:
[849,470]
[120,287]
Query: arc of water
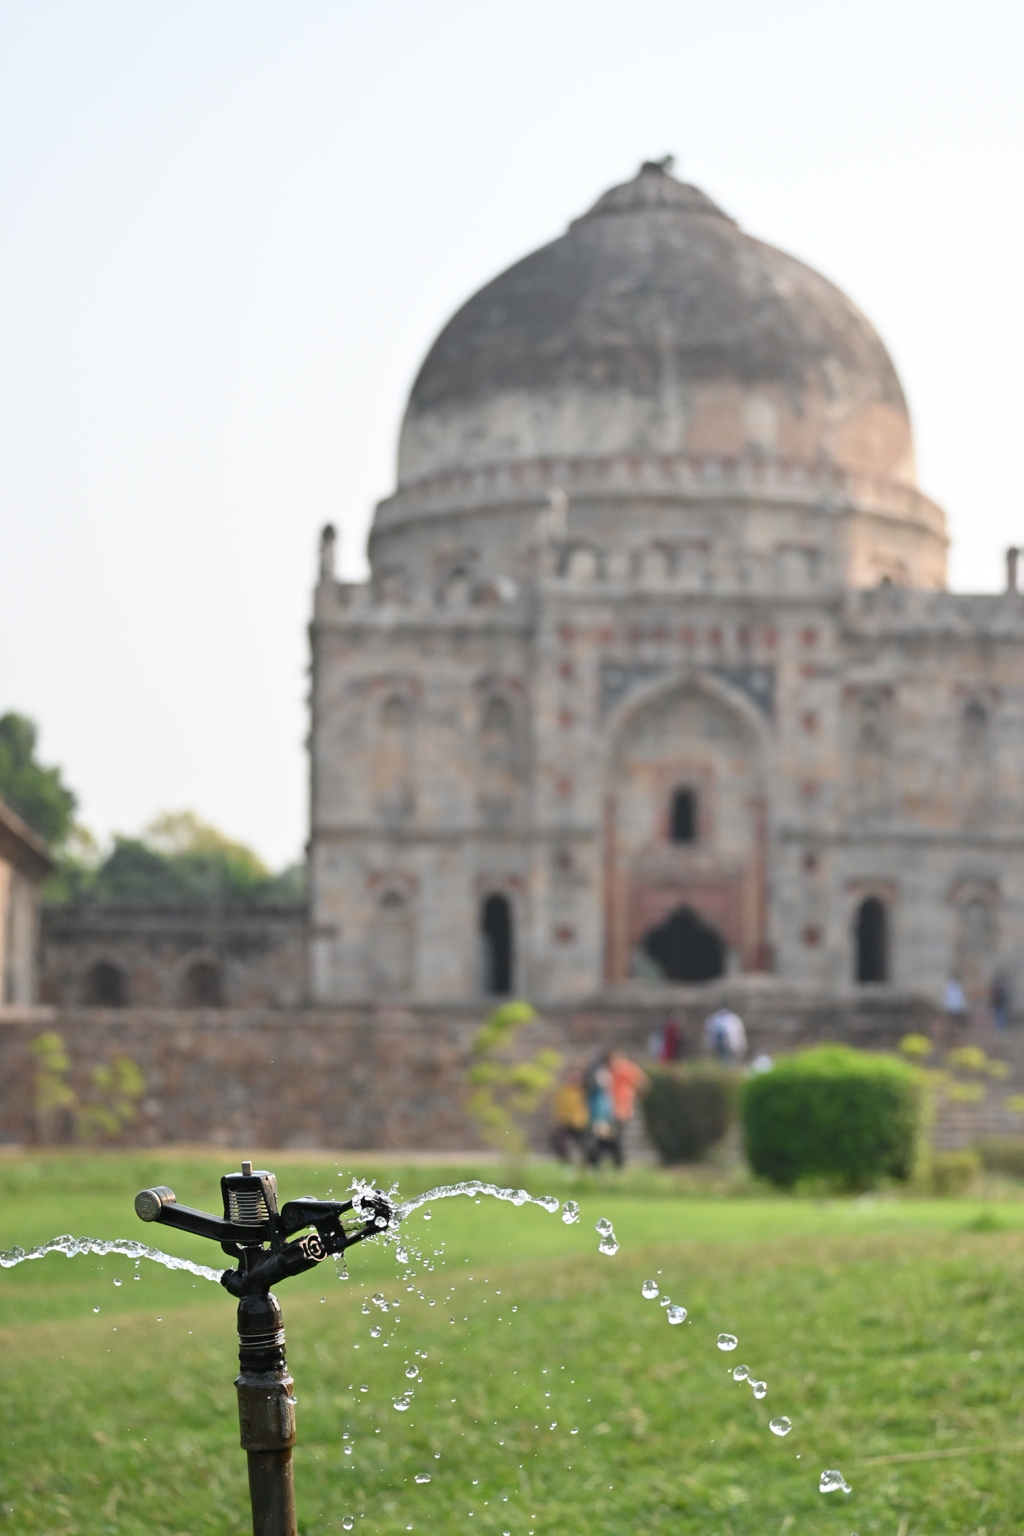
[71,1246]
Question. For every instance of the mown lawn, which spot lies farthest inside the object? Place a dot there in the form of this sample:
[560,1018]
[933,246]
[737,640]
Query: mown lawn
[889,1331]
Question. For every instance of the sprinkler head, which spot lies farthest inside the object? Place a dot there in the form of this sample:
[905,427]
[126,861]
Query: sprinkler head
[254,1231]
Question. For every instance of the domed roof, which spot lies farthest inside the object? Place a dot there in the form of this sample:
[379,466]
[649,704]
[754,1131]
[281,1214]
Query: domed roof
[655,325]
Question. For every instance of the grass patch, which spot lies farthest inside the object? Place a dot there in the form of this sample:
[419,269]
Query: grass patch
[888,1331]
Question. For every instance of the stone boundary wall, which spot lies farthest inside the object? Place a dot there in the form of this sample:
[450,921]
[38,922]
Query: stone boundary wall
[378,1077]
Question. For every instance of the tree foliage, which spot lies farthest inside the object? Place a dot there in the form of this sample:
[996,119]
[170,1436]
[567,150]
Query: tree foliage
[179,860]
[38,794]
[506,1092]
[108,1108]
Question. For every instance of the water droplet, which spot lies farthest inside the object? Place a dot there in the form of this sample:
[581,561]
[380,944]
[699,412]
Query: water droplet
[676,1314]
[348,1450]
[608,1246]
[423,1477]
[832,1480]
[402,1255]
[323,1300]
[554,1425]
[759,1389]
[741,1373]
[570,1213]
[603,1226]
[95,1309]
[377,1298]
[649,1290]
[117,1282]
[575,1431]
[366,1310]
[412,1372]
[781,1426]
[347,1523]
[364,1387]
[426,1216]
[401,1404]
[727,1341]
[374,1333]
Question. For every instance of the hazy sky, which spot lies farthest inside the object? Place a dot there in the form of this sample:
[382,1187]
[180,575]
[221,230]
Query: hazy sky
[229,231]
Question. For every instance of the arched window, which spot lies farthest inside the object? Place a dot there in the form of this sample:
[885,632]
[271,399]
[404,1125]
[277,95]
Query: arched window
[872,941]
[393,768]
[686,948]
[975,730]
[202,986]
[105,986]
[496,945]
[683,816]
[497,736]
[391,945]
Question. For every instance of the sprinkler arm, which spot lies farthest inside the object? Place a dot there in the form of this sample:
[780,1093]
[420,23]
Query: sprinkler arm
[259,1269]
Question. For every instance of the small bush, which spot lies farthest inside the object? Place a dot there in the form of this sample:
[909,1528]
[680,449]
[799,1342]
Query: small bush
[1003,1154]
[688,1110]
[951,1173]
[833,1113]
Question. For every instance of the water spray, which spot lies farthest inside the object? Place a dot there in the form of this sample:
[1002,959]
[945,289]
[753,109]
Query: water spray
[253,1231]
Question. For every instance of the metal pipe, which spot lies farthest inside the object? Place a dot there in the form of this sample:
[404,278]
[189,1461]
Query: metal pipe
[266,1415]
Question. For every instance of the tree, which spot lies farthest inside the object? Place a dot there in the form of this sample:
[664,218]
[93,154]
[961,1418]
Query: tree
[507,1092]
[37,794]
[180,859]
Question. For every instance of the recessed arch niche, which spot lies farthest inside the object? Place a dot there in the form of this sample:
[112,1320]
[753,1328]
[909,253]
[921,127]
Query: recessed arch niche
[693,731]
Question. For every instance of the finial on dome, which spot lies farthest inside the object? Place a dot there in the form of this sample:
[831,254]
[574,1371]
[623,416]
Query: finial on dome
[663,167]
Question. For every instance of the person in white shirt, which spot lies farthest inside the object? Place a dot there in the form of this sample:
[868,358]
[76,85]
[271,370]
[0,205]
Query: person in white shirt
[725,1036]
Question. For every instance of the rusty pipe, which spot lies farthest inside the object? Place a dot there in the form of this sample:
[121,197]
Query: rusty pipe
[266,1415]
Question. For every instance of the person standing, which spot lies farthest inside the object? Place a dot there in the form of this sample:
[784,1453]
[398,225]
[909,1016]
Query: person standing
[627,1081]
[603,1139]
[571,1120]
[725,1036]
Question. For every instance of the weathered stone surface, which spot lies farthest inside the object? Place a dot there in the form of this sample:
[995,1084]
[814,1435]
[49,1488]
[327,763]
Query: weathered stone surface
[656,533]
[382,1077]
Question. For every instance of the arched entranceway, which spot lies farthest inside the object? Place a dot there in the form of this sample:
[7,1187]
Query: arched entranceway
[685,831]
[872,941]
[496,945]
[105,986]
[686,948]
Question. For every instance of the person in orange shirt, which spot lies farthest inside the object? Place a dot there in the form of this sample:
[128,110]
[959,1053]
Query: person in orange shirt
[627,1081]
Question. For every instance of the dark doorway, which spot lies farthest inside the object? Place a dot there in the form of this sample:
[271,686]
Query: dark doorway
[202,987]
[872,941]
[683,820]
[105,986]
[686,948]
[496,943]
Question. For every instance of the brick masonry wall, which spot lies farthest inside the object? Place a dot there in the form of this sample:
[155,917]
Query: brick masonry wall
[371,1077]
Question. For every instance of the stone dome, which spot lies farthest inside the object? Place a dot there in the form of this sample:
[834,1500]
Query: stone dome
[655,326]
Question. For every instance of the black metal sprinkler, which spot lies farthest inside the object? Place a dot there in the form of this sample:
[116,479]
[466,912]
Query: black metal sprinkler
[253,1231]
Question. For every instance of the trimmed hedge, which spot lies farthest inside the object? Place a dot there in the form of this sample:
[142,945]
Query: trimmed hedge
[848,1117]
[1003,1154]
[689,1109]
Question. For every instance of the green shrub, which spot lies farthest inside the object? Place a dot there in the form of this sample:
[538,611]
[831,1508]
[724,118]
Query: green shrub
[833,1113]
[951,1173]
[688,1110]
[1003,1154]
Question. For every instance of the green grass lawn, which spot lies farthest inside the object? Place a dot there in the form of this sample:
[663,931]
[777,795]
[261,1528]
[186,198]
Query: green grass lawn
[888,1330]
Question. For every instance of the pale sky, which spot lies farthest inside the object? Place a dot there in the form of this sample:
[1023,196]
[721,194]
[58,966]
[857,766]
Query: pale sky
[230,229]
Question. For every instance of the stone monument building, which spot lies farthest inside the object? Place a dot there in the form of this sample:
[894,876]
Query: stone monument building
[656,677]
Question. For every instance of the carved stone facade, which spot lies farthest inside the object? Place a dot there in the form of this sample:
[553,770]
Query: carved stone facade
[25,862]
[95,956]
[655,677]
